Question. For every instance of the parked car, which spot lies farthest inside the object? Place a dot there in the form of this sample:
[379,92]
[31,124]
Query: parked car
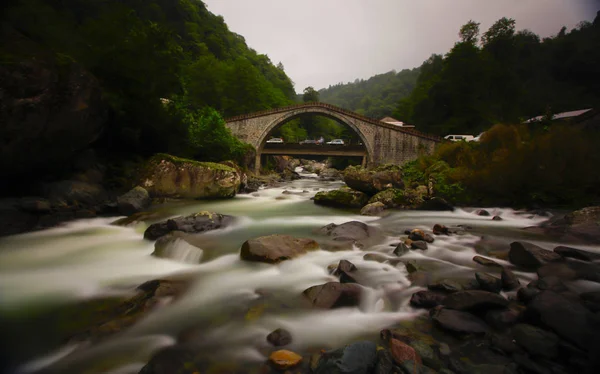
[309,141]
[478,137]
[336,142]
[457,138]
[275,140]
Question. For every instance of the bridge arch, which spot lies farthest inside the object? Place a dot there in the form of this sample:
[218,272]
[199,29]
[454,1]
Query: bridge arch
[287,116]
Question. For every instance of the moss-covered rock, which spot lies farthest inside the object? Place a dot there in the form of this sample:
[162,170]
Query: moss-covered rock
[342,198]
[398,198]
[169,176]
[372,181]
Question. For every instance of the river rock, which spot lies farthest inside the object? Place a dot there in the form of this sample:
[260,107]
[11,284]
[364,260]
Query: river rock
[330,174]
[354,231]
[192,224]
[169,176]
[279,337]
[173,359]
[372,209]
[284,359]
[571,270]
[580,226]
[134,201]
[341,198]
[344,270]
[591,300]
[440,229]
[401,249]
[419,244]
[578,254]
[526,294]
[486,261]
[174,246]
[356,358]
[496,218]
[530,256]
[468,300]
[427,299]
[536,341]
[457,321]
[566,318]
[501,319]
[482,213]
[390,198]
[405,356]
[454,285]
[488,282]
[273,249]
[371,181]
[75,193]
[334,295]
[509,280]
[418,234]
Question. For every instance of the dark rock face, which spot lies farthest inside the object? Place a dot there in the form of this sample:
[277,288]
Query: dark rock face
[568,319]
[436,204]
[427,299]
[334,295]
[133,201]
[468,300]
[458,322]
[48,113]
[192,224]
[530,256]
[509,280]
[536,341]
[279,337]
[488,282]
[578,254]
[356,358]
[276,248]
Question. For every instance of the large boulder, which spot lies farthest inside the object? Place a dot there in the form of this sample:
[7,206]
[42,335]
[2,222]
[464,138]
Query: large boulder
[174,246]
[530,256]
[577,253]
[391,198]
[341,198]
[192,224]
[372,209]
[50,110]
[353,232]
[133,201]
[334,295]
[169,176]
[276,248]
[580,226]
[536,341]
[371,181]
[330,174]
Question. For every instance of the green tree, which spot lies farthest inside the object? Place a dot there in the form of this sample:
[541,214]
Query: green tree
[310,95]
[469,32]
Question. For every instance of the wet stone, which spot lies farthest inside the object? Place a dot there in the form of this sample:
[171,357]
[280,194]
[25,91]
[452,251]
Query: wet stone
[488,282]
[509,280]
[427,299]
[279,337]
[470,300]
[419,244]
[284,359]
[457,321]
[486,261]
[536,341]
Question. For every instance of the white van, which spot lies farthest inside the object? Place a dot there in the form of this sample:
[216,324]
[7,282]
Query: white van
[457,138]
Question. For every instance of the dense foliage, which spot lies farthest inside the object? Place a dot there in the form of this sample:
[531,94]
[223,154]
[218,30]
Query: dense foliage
[376,97]
[158,61]
[515,165]
[506,77]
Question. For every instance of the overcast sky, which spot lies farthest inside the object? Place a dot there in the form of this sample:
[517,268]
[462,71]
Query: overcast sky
[324,42]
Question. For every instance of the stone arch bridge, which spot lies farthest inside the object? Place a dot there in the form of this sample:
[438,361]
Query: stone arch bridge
[381,142]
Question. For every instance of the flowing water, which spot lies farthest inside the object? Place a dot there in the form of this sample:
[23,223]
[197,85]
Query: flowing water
[231,305]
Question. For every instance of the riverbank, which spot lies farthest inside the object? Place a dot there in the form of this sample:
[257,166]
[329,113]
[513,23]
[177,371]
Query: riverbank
[222,317]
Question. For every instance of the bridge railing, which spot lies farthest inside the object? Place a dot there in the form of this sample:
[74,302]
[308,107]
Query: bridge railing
[335,109]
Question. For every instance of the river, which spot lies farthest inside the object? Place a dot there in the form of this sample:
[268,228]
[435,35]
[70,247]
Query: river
[231,305]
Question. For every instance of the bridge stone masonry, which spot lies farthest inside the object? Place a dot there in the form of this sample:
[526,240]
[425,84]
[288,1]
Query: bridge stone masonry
[383,142]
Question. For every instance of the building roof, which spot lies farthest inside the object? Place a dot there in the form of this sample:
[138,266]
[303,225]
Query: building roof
[563,115]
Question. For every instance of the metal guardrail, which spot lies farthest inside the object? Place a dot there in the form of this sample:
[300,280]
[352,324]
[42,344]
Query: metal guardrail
[335,109]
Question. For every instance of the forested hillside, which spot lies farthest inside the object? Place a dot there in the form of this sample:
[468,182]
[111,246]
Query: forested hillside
[505,76]
[376,97]
[157,63]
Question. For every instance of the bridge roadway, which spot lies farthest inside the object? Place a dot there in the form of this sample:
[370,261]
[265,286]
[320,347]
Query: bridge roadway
[293,149]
